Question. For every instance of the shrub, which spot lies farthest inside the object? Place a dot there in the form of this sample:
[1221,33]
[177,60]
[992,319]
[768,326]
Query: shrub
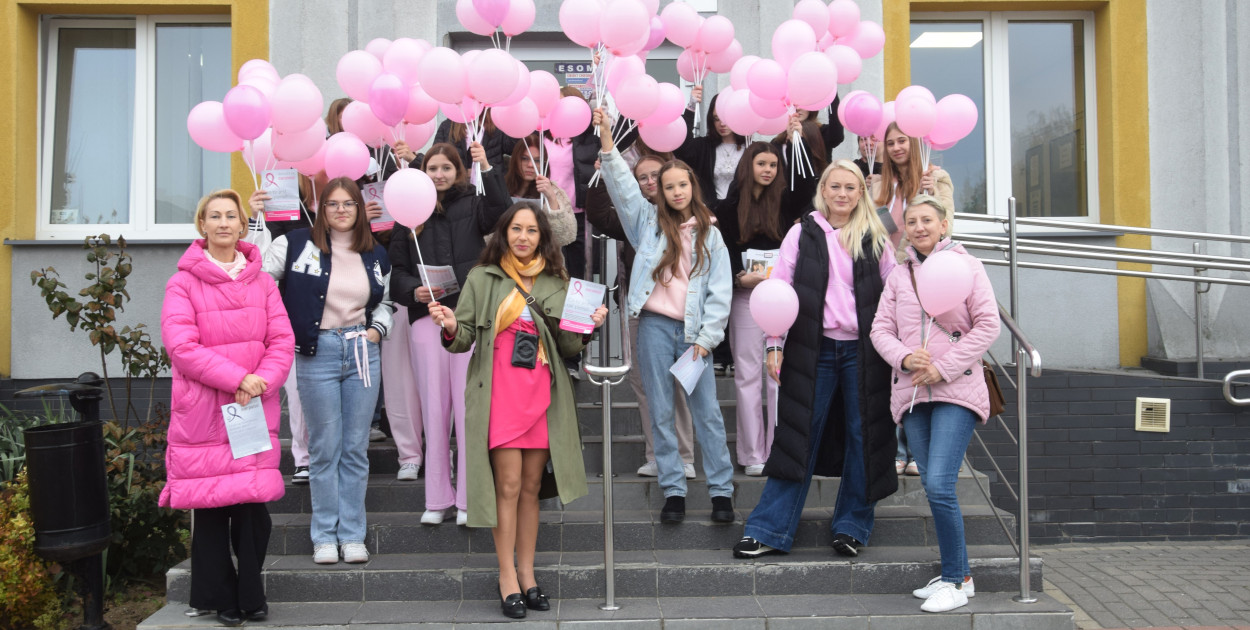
[28,595]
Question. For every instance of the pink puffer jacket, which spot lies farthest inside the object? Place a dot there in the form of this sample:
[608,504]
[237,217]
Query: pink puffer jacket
[896,333]
[217,331]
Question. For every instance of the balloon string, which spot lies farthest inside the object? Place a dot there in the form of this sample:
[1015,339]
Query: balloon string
[542,199]
[251,166]
[425,279]
[508,45]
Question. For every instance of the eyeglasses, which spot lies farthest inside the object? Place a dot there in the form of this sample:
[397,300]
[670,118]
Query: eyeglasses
[648,178]
[335,205]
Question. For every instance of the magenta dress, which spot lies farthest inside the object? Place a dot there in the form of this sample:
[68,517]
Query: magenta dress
[519,396]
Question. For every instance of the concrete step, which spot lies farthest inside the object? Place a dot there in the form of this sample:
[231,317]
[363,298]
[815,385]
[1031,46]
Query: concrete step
[650,573]
[987,611]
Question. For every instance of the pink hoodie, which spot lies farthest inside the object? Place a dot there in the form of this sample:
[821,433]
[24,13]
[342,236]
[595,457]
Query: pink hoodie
[896,333]
[217,331]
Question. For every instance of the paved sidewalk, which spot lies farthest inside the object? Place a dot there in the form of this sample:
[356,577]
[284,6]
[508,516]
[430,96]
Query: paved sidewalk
[1151,584]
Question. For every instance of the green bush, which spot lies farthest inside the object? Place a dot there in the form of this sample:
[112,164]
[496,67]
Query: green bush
[28,594]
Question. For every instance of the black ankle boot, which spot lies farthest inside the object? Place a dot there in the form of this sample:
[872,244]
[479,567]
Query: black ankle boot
[674,510]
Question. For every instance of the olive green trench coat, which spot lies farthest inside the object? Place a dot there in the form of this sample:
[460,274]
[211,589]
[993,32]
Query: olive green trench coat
[484,289]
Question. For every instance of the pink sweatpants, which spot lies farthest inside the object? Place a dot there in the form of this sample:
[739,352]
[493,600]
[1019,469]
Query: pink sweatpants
[403,403]
[299,430]
[441,378]
[746,339]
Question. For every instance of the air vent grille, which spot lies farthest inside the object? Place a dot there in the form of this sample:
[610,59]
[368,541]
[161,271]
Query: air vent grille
[1154,414]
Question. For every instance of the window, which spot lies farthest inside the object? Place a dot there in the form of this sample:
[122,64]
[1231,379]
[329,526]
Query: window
[1032,78]
[116,155]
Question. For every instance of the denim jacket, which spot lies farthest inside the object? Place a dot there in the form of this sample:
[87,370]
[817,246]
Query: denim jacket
[710,291]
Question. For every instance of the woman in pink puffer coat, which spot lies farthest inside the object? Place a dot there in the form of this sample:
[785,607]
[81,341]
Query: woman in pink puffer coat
[229,339]
[947,381]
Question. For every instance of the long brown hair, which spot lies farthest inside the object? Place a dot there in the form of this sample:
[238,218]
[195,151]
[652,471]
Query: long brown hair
[670,224]
[448,151]
[908,182]
[457,131]
[362,237]
[763,215]
[497,242]
[334,115]
[517,186]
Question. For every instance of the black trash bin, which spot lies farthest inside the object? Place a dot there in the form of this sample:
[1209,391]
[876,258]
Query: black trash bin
[69,501]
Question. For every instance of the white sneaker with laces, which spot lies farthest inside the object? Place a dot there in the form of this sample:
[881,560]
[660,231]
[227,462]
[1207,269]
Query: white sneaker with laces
[649,469]
[689,470]
[462,517]
[326,553]
[432,517]
[948,596]
[355,553]
[755,471]
[408,472]
[969,588]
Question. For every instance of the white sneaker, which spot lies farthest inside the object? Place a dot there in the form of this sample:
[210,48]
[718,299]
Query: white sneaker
[689,469]
[649,469]
[355,553]
[408,472]
[326,553]
[755,471]
[969,588]
[948,596]
[462,517]
[376,435]
[432,517]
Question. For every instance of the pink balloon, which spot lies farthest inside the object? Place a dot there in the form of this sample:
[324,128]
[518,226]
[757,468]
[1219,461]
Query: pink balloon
[493,11]
[378,47]
[656,36]
[388,99]
[207,125]
[442,75]
[356,72]
[766,107]
[358,120]
[570,117]
[517,120]
[471,20]
[847,61]
[843,17]
[724,60]
[943,282]
[887,117]
[622,24]
[664,137]
[845,100]
[868,39]
[691,62]
[346,156]
[791,39]
[403,59]
[421,108]
[314,164]
[492,76]
[519,19]
[915,116]
[812,76]
[637,97]
[681,23]
[415,135]
[815,13]
[941,146]
[410,196]
[767,79]
[672,102]
[301,145]
[956,118]
[734,109]
[265,83]
[774,307]
[544,91]
[579,19]
[296,104]
[257,66]
[259,152]
[774,126]
[461,112]
[716,34]
[621,68]
[247,111]
[522,88]
[819,104]
[861,114]
[738,73]
[915,90]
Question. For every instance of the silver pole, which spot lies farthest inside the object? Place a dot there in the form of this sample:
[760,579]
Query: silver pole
[1198,291]
[1022,519]
[609,561]
[1014,269]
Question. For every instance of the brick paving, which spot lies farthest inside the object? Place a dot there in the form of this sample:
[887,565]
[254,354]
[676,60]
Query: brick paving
[1151,584]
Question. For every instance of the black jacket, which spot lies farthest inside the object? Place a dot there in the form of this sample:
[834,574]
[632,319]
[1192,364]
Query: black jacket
[452,237]
[792,447]
[498,146]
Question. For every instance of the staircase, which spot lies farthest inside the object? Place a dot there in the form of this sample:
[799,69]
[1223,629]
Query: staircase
[667,576]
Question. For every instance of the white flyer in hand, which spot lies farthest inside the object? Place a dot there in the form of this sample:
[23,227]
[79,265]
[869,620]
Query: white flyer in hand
[688,368]
[282,185]
[760,260]
[441,277]
[246,428]
[583,298]
[373,192]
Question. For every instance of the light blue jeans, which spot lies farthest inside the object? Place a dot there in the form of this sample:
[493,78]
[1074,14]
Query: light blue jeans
[661,341]
[939,434]
[338,408]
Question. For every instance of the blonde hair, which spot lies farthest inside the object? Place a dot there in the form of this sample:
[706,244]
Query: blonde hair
[863,219]
[944,215]
[225,193]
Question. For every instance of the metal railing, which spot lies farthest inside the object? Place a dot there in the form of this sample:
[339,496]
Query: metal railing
[1230,384]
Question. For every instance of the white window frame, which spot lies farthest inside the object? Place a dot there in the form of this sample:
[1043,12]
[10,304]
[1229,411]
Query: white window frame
[142,224]
[997,114]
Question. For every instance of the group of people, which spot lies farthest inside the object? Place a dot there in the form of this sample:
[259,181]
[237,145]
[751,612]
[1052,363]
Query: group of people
[330,310]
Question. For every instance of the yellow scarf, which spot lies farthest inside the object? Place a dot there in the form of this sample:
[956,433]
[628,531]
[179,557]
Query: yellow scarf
[510,308]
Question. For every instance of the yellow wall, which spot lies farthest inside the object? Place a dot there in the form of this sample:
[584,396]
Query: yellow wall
[1123,122]
[19,102]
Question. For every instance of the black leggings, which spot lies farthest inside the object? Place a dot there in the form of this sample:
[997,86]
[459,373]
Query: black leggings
[215,584]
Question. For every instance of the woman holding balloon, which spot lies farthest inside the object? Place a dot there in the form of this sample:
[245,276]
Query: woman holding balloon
[526,183]
[905,175]
[834,388]
[452,235]
[936,318]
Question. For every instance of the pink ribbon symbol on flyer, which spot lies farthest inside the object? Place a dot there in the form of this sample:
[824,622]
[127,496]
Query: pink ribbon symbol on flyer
[577,287]
[373,193]
[270,181]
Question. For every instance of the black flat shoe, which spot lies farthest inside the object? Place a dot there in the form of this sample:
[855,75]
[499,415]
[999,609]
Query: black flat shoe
[722,510]
[260,614]
[513,606]
[536,600]
[230,617]
[674,510]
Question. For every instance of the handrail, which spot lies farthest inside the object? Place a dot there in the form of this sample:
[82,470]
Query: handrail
[1169,259]
[1025,353]
[1228,388]
[1102,227]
